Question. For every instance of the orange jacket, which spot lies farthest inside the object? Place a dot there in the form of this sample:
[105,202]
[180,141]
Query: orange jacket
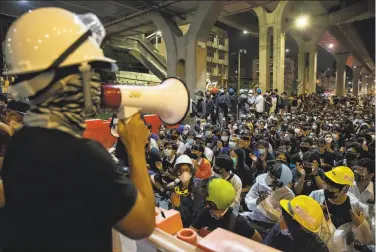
[203,169]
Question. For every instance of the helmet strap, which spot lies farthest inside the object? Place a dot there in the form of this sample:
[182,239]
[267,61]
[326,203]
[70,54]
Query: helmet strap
[85,71]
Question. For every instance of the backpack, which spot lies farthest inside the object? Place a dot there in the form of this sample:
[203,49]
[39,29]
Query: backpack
[222,101]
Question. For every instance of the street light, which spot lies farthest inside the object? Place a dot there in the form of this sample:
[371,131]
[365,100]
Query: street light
[301,21]
[287,50]
[239,76]
[245,32]
[330,45]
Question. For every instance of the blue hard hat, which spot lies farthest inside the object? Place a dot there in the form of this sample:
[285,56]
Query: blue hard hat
[259,91]
[231,91]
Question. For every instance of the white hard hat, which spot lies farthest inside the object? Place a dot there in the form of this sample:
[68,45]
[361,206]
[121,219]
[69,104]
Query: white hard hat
[39,38]
[183,159]
[250,92]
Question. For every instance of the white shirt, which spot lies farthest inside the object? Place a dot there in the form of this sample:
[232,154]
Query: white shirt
[364,196]
[181,147]
[153,144]
[237,184]
[209,154]
[261,186]
[259,104]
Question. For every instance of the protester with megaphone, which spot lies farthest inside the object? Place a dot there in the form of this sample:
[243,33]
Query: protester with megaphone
[61,191]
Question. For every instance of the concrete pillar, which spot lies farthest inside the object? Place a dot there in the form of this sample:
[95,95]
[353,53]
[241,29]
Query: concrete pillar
[301,69]
[355,81]
[274,20]
[264,59]
[364,84]
[278,58]
[190,47]
[341,73]
[312,69]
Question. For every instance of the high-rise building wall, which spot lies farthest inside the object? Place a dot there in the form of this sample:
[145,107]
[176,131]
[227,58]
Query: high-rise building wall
[217,54]
[290,72]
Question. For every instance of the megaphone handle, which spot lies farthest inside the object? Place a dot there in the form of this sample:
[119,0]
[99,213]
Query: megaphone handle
[127,112]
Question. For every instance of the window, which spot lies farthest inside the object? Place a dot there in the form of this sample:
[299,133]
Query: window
[221,41]
[221,55]
[210,54]
[211,38]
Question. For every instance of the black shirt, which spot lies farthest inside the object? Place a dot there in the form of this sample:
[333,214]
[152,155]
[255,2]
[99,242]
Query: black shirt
[204,219]
[339,214]
[62,193]
[309,181]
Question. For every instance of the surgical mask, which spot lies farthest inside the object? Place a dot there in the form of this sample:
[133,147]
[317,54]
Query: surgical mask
[190,141]
[328,140]
[235,161]
[185,177]
[235,127]
[185,132]
[297,130]
[314,127]
[224,138]
[334,136]
[208,133]
[261,151]
[232,145]
[167,152]
[304,148]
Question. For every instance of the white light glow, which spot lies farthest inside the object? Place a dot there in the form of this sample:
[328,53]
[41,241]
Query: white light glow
[245,32]
[330,45]
[301,21]
[159,33]
[287,50]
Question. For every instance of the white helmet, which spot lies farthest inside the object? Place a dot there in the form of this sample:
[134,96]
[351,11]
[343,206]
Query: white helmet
[45,39]
[183,159]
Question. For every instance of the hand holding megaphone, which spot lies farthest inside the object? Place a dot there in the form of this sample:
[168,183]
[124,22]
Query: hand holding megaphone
[169,100]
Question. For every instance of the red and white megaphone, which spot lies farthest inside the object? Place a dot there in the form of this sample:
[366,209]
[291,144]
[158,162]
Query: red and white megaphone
[169,100]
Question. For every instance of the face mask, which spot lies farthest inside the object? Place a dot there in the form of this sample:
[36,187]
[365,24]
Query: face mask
[185,177]
[174,137]
[304,148]
[190,141]
[215,216]
[328,140]
[250,100]
[185,132]
[296,131]
[167,152]
[224,138]
[314,127]
[217,170]
[261,151]
[235,161]
[335,136]
[285,232]
[235,127]
[232,145]
[330,195]
[194,156]
[208,133]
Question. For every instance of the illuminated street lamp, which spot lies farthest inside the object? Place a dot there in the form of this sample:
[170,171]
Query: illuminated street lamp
[287,50]
[330,45]
[245,32]
[301,21]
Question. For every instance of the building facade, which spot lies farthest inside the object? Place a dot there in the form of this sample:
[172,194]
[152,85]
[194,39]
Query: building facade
[290,72]
[216,54]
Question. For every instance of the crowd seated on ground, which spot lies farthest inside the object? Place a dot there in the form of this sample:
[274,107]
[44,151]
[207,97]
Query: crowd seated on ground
[284,172]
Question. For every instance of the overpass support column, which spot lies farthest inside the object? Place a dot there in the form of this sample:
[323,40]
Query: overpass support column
[341,73]
[364,84]
[190,47]
[312,69]
[355,81]
[264,58]
[272,20]
[301,68]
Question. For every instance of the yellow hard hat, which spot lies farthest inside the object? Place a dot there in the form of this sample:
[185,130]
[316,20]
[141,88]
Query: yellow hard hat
[305,210]
[341,175]
[221,193]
